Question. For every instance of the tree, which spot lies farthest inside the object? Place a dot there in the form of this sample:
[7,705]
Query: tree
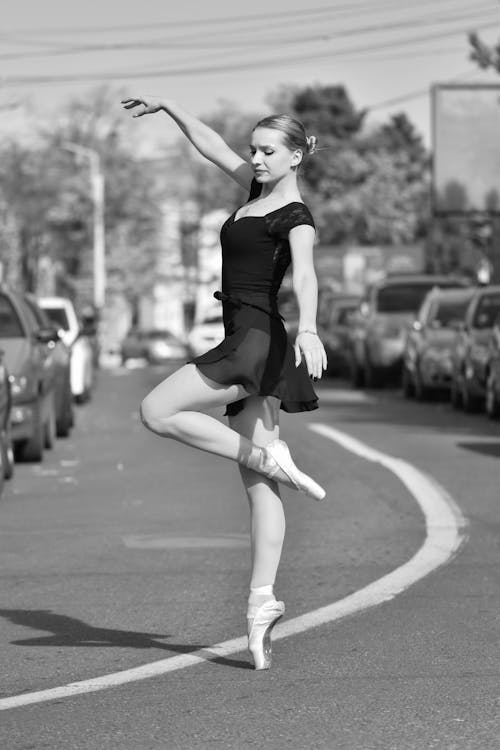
[486,56]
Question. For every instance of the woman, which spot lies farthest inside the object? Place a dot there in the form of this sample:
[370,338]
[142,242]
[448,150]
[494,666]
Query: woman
[255,371]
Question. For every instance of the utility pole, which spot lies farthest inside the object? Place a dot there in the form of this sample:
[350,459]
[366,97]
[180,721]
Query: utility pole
[99,250]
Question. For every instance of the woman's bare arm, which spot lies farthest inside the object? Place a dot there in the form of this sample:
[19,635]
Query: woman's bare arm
[209,143]
[305,286]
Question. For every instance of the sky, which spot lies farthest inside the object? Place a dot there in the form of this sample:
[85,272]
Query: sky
[387,53]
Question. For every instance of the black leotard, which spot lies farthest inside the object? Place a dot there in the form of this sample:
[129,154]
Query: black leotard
[256,351]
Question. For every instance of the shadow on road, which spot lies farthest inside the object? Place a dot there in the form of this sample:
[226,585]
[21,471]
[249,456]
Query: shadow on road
[68,631]
[487,449]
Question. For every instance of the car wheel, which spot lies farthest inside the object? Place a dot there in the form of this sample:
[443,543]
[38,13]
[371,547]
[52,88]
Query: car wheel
[492,404]
[357,374]
[455,394]
[32,449]
[371,375]
[470,402]
[7,454]
[65,423]
[421,391]
[50,426]
[407,383]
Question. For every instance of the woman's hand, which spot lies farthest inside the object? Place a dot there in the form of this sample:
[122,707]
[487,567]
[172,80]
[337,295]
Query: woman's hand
[151,105]
[310,347]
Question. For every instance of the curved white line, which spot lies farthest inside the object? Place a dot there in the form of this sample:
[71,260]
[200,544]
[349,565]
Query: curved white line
[445,532]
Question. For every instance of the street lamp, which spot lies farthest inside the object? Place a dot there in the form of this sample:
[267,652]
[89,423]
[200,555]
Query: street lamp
[97,182]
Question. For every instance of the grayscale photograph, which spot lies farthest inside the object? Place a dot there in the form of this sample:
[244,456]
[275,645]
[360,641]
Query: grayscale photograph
[250,375]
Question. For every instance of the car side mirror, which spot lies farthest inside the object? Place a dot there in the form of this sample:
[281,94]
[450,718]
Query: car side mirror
[46,335]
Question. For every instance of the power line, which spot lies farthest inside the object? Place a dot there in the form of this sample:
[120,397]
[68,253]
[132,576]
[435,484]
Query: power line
[417,93]
[227,65]
[351,8]
[324,36]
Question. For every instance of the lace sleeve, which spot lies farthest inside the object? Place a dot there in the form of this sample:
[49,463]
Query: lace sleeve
[293,215]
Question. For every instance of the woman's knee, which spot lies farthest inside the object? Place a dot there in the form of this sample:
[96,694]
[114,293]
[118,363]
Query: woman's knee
[153,418]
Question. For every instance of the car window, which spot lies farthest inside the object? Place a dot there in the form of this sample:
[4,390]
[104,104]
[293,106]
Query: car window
[33,322]
[402,297]
[58,317]
[487,310]
[10,324]
[41,318]
[445,311]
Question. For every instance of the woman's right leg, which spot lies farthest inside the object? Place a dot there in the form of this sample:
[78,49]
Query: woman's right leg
[258,421]
[174,409]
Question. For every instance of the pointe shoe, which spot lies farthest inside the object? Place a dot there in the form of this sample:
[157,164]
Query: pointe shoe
[259,632]
[279,452]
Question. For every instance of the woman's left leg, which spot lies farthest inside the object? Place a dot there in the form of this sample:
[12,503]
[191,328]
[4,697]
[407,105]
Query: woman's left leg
[259,422]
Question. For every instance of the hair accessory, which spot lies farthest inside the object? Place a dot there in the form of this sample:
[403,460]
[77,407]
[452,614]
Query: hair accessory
[311,141]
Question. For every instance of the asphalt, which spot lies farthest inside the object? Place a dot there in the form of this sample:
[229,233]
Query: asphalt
[122,548]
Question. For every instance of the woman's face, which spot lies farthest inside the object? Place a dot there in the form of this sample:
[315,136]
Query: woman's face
[271,158]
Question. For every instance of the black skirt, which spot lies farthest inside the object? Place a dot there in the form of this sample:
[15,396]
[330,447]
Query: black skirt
[257,354]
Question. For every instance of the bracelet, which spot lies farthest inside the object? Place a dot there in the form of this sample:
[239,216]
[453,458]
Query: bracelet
[306,330]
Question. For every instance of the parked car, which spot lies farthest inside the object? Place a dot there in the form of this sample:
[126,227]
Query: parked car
[492,397]
[61,355]
[471,349]
[6,445]
[31,376]
[328,290]
[427,357]
[206,334]
[163,346]
[133,346]
[379,328]
[154,346]
[334,330]
[62,314]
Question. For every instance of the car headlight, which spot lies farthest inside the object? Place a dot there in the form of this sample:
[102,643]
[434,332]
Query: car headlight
[18,384]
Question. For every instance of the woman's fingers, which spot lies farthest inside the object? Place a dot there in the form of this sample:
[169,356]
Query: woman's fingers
[131,103]
[316,361]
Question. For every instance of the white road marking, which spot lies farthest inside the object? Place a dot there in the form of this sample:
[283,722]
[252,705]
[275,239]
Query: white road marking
[345,396]
[445,532]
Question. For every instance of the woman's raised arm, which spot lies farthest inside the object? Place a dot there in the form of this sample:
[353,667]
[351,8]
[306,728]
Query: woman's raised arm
[209,143]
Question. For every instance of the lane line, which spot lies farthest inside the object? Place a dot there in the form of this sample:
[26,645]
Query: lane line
[446,531]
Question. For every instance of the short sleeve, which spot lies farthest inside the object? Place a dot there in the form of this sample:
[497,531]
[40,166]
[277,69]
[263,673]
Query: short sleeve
[297,215]
[293,215]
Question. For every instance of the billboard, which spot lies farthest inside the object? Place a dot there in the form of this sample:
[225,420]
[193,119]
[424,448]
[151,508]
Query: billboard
[466,146]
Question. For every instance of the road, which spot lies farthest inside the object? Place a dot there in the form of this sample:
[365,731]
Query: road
[122,549]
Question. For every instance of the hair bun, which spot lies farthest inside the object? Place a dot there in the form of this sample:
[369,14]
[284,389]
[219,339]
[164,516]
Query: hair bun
[311,141]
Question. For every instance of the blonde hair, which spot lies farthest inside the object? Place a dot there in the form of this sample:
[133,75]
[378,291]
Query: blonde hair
[294,133]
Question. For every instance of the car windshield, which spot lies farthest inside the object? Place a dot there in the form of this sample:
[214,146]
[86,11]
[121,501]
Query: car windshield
[403,298]
[10,325]
[450,310]
[487,311]
[58,317]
